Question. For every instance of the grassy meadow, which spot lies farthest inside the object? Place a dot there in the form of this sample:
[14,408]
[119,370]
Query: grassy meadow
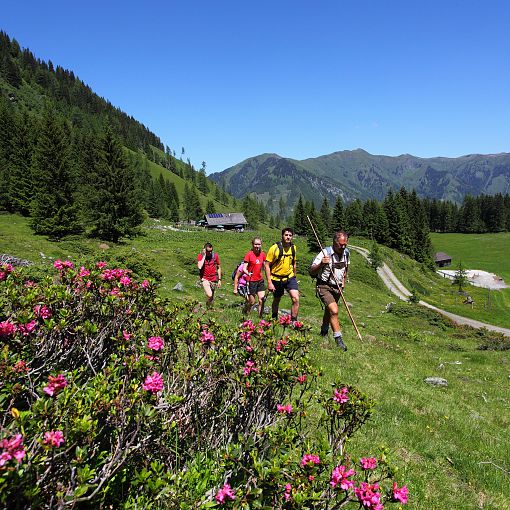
[450,444]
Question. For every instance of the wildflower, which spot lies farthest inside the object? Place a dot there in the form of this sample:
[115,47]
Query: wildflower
[297,325]
[42,311]
[248,325]
[207,338]
[284,409]
[7,328]
[29,284]
[125,280]
[264,324]
[12,448]
[60,265]
[126,335]
[53,438]
[6,270]
[225,493]
[285,320]
[55,385]
[83,272]
[20,367]
[280,345]
[400,494]
[115,291]
[153,383]
[287,493]
[245,336]
[156,343]
[340,476]
[26,329]
[368,463]
[301,378]
[145,284]
[341,396]
[310,460]
[101,265]
[368,496]
[250,367]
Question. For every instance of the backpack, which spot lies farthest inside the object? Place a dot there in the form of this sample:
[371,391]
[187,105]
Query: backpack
[234,272]
[280,254]
[214,258]
[329,252]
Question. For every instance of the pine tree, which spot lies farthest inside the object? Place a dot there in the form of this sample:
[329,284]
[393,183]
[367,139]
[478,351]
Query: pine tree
[115,206]
[320,230]
[7,124]
[300,221]
[326,217]
[354,218]
[54,210]
[21,183]
[338,219]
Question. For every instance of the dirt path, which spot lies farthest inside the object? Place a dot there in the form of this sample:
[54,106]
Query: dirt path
[395,286]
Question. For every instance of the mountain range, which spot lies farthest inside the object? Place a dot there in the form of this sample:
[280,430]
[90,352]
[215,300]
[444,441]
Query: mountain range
[358,174]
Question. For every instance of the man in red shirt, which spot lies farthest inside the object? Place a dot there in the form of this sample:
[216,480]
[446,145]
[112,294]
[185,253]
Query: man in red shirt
[208,264]
[253,264]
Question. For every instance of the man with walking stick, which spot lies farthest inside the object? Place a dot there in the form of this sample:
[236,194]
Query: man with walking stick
[330,267]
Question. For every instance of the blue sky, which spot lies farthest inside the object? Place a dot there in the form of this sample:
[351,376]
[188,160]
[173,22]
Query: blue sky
[229,80]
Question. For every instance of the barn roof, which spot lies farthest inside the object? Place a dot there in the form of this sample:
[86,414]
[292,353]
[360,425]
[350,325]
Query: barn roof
[225,219]
[441,255]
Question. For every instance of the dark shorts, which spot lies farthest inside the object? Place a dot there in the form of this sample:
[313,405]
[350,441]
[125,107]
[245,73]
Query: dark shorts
[255,287]
[280,286]
[328,294]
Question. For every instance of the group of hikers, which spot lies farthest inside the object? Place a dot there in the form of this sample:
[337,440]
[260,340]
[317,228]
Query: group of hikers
[329,267]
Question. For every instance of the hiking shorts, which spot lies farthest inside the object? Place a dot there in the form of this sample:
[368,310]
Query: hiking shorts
[280,286]
[256,287]
[209,287]
[328,294]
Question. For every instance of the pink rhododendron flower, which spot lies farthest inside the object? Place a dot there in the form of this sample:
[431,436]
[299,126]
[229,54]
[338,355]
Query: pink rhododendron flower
[224,494]
[301,378]
[125,280]
[285,320]
[20,367]
[369,496]
[340,477]
[83,272]
[55,385]
[341,396]
[101,264]
[59,264]
[310,460]
[284,409]
[12,448]
[26,329]
[126,335]
[7,328]
[297,325]
[250,367]
[53,438]
[280,345]
[42,311]
[29,284]
[249,348]
[115,291]
[400,494]
[368,463]
[245,336]
[156,343]
[206,337]
[249,325]
[6,269]
[264,324]
[153,383]
[287,493]
[145,284]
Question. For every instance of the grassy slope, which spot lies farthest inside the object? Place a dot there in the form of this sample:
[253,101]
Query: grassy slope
[440,437]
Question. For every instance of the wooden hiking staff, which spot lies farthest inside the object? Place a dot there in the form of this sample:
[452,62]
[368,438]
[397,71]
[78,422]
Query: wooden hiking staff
[336,280]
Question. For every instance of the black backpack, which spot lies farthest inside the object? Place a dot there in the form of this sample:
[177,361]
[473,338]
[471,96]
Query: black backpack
[236,269]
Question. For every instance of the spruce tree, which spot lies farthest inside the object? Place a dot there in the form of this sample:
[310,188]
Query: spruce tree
[21,183]
[338,219]
[54,209]
[354,218]
[7,123]
[209,207]
[300,221]
[115,206]
[325,215]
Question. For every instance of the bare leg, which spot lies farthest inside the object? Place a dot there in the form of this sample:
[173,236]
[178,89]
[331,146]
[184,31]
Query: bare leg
[294,295]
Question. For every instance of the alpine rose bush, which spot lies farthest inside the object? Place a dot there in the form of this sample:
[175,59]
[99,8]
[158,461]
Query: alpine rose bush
[115,398]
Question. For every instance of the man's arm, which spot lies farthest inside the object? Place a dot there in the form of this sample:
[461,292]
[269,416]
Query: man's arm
[201,261]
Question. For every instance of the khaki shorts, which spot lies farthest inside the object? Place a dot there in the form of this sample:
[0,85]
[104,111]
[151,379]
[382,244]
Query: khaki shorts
[209,287]
[328,294]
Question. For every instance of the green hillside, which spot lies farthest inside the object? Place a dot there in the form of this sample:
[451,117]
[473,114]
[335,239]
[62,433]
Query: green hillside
[448,443]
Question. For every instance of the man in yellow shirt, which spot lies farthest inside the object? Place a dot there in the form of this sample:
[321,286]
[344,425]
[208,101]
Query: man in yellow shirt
[280,268]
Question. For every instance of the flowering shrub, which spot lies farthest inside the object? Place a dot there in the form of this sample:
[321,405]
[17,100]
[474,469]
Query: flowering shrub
[113,397]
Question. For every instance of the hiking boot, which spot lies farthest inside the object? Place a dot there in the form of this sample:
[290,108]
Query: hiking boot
[340,342]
